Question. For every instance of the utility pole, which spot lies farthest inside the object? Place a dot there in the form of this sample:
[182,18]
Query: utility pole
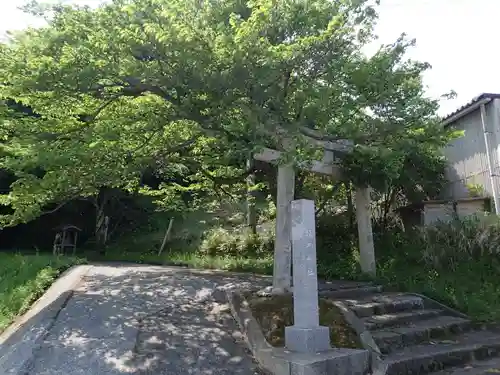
[487,135]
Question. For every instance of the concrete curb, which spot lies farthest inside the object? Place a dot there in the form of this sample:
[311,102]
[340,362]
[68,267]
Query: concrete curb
[257,343]
[21,339]
[280,361]
[364,335]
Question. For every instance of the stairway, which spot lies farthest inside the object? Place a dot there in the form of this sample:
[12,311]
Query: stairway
[414,337]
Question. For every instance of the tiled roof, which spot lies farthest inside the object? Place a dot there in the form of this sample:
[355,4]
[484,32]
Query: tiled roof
[471,103]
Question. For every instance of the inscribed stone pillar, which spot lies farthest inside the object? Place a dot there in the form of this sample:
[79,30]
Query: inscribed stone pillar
[363,217]
[282,246]
[306,335]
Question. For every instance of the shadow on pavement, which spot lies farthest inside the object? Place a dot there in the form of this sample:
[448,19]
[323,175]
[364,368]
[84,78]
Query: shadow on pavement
[145,320]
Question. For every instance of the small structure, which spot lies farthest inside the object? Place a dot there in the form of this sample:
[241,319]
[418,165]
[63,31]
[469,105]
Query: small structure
[66,237]
[430,212]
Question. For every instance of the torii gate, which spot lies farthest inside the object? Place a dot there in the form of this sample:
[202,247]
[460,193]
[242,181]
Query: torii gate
[285,195]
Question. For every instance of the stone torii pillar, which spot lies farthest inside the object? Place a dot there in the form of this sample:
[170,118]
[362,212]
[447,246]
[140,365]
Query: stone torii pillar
[365,233]
[285,195]
[282,243]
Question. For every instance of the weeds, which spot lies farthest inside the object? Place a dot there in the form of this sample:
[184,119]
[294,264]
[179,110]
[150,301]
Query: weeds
[23,278]
[224,243]
[456,263]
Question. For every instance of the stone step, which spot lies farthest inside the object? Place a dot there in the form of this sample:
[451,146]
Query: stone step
[348,293]
[341,284]
[391,339]
[377,322]
[489,367]
[385,303]
[424,359]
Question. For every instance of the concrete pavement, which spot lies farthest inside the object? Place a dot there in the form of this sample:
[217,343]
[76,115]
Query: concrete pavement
[135,320]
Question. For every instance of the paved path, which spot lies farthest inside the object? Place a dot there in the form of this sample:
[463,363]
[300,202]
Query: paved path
[143,320]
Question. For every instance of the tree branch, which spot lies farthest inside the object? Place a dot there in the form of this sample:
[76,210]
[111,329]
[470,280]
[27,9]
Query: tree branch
[92,118]
[62,204]
[226,180]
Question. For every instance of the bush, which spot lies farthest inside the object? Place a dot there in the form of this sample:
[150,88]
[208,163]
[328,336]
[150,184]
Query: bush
[453,262]
[446,245]
[335,237]
[24,278]
[337,247]
[224,243]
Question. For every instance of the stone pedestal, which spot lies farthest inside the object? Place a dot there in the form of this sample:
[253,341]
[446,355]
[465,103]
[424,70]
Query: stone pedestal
[331,362]
[307,340]
[306,335]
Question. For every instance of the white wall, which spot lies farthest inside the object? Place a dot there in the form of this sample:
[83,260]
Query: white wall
[467,155]
[437,212]
[434,212]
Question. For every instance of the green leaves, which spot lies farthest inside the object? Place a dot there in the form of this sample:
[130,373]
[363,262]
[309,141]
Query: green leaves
[135,85]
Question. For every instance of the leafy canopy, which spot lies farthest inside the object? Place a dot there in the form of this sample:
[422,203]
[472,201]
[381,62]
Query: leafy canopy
[169,85]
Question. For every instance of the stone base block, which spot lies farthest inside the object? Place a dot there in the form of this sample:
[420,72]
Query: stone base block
[331,362]
[307,340]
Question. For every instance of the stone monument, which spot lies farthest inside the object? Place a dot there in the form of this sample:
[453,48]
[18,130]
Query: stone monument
[306,335]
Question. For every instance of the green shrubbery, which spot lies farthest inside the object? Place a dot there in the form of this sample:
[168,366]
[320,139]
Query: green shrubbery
[447,245]
[224,243]
[456,263]
[24,278]
[444,245]
[337,247]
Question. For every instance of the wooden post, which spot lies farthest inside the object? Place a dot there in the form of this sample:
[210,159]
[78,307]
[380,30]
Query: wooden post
[251,209]
[75,242]
[63,242]
[363,216]
[55,248]
[167,235]
[282,246]
[105,230]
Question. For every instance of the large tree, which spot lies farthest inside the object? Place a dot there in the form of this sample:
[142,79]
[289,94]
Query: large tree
[195,82]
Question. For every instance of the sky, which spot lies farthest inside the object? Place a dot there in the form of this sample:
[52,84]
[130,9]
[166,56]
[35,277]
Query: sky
[457,37]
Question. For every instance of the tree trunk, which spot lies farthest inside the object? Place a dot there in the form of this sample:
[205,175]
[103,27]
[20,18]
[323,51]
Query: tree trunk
[268,173]
[388,202]
[102,221]
[251,197]
[299,185]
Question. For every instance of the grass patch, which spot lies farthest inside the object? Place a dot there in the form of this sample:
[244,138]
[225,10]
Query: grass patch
[276,312]
[227,263]
[472,287]
[23,279]
[198,243]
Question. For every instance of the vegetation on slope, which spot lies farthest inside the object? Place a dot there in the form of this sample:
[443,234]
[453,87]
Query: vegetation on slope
[23,279]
